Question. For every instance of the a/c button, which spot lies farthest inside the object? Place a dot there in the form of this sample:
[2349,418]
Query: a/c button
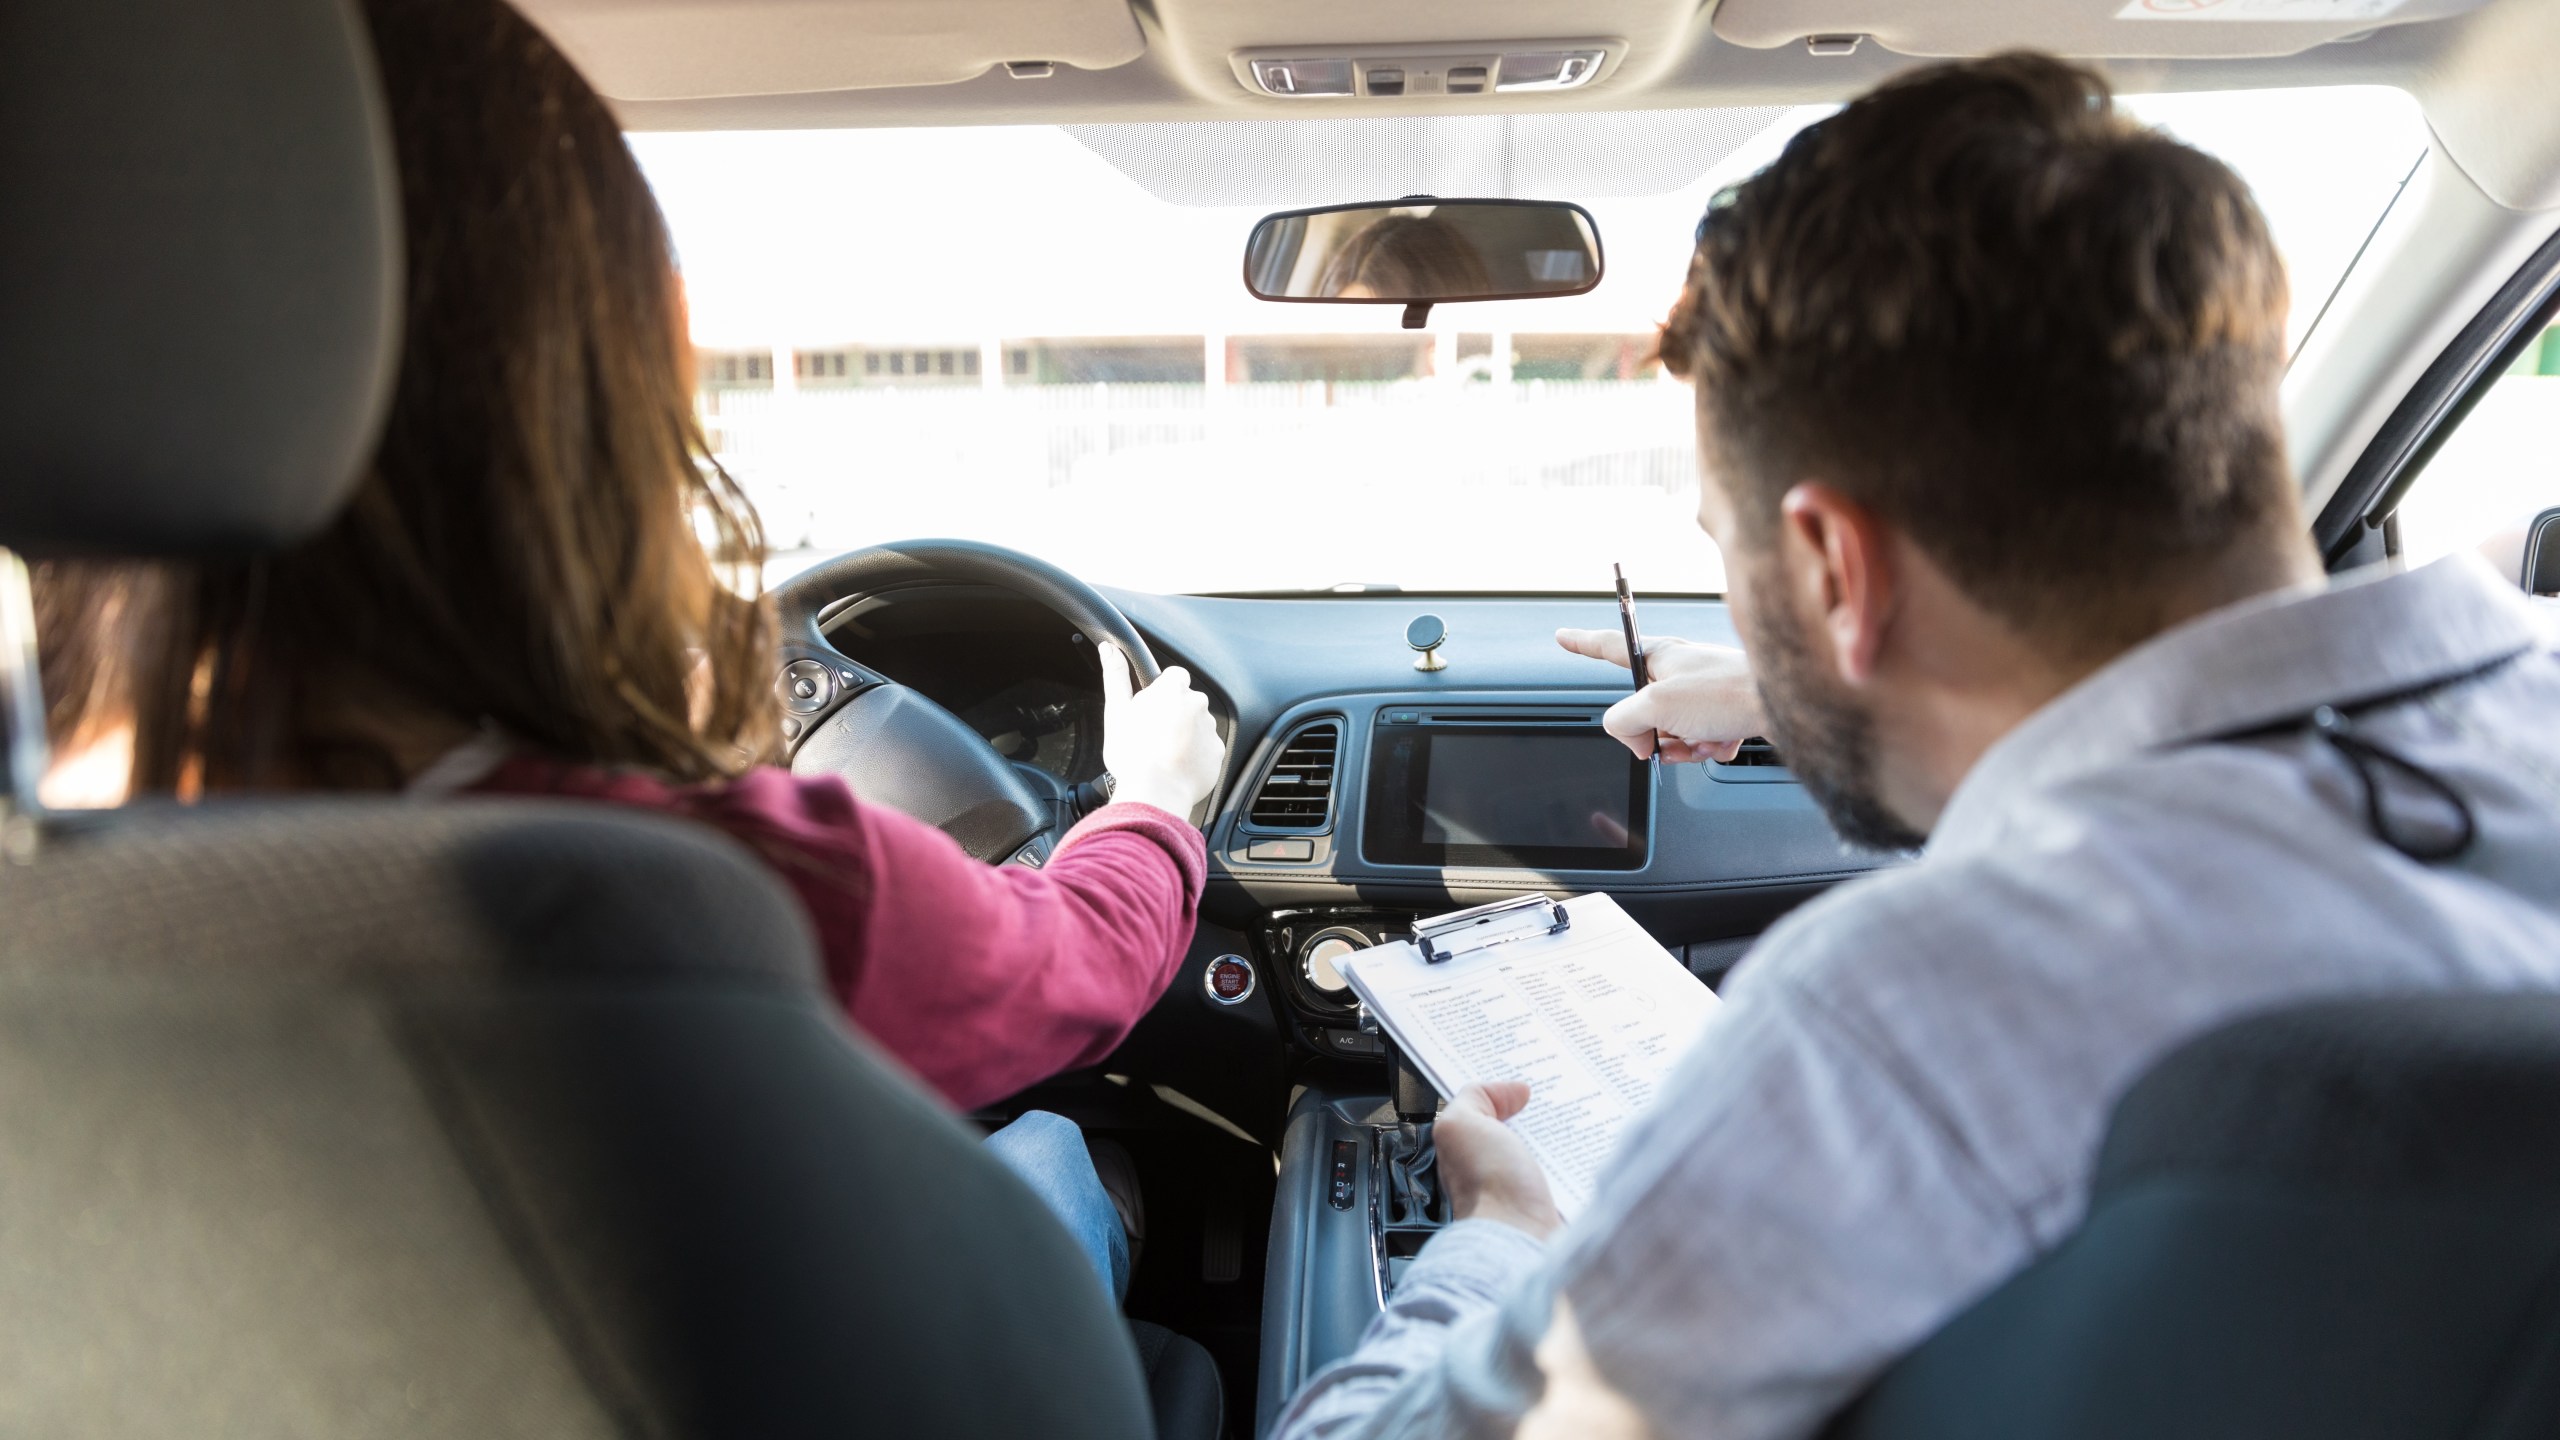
[1354,1042]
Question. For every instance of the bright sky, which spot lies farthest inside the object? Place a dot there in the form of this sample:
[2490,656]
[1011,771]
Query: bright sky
[810,238]
[954,237]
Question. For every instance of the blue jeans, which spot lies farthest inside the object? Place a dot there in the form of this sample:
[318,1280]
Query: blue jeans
[1047,1152]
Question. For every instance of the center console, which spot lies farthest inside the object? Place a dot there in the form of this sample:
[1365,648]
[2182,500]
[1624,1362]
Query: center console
[1504,791]
[1428,802]
[1357,1198]
[1362,813]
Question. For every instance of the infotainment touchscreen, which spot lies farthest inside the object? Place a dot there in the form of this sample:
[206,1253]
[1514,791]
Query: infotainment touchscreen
[1540,797]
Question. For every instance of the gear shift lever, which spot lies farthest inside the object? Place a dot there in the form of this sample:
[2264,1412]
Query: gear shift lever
[1415,1101]
[1412,1190]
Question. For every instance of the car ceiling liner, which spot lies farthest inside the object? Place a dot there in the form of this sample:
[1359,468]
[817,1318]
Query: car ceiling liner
[2119,29]
[701,49]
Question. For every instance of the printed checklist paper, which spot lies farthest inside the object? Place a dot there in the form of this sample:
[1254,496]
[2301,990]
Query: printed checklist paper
[1592,1018]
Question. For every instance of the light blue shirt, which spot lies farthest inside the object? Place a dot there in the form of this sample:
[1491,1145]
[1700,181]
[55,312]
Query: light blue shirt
[1900,1102]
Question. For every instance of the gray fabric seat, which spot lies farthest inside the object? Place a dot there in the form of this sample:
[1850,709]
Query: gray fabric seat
[347,1117]
[485,1119]
[2341,1220]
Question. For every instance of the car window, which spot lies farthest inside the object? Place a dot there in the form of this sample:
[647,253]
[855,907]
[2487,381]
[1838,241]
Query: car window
[2497,470]
[1040,337]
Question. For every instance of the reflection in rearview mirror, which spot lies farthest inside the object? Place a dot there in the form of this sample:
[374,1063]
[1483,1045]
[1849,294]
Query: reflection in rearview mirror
[1422,251]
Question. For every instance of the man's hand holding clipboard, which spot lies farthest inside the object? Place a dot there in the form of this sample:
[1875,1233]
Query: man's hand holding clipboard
[1692,701]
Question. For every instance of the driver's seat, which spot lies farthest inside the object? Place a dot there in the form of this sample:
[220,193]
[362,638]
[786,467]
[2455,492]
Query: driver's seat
[481,1118]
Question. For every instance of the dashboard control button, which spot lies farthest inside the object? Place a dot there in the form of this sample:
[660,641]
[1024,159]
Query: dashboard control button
[1358,1043]
[1320,958]
[1229,979]
[1280,850]
[1404,717]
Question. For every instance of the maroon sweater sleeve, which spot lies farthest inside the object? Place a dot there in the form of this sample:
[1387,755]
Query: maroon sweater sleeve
[982,978]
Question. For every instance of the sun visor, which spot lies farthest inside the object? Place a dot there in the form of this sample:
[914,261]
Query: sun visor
[1576,154]
[2093,29]
[706,49]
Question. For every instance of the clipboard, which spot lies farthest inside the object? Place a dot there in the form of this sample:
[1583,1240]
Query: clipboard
[1463,932]
[1571,996]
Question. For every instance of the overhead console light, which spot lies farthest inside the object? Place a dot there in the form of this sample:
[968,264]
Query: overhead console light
[1549,69]
[1398,72]
[1302,78]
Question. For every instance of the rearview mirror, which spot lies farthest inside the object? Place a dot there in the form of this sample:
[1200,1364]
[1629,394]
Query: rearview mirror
[1420,251]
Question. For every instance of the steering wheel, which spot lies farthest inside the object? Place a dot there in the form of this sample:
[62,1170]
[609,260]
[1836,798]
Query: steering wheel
[892,744]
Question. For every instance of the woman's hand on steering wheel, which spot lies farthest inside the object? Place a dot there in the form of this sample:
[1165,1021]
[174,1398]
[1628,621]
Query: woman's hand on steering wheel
[1159,744]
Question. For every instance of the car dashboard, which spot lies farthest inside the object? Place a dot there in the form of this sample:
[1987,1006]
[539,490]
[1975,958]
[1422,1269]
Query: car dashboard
[1361,793]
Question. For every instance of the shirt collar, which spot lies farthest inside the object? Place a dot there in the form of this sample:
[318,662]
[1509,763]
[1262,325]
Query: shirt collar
[2260,662]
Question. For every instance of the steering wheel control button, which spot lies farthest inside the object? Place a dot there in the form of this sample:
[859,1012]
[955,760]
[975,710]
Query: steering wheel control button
[1346,1159]
[806,686]
[1033,855]
[1288,850]
[1229,979]
[1427,634]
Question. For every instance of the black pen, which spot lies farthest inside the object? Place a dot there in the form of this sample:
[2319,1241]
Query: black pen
[1635,642]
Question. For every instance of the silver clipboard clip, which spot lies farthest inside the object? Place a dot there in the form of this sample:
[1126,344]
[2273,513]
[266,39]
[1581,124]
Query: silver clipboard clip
[1481,928]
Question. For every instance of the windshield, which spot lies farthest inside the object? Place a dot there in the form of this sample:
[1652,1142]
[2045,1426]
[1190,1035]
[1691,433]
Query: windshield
[1040,337]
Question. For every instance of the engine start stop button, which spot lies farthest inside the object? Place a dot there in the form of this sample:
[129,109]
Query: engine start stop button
[1229,979]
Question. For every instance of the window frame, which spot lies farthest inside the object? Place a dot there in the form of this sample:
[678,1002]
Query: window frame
[2354,527]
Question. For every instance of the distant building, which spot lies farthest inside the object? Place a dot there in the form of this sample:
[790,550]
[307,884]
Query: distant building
[735,369]
[939,364]
[1185,360]
[1108,360]
[1583,357]
[1335,359]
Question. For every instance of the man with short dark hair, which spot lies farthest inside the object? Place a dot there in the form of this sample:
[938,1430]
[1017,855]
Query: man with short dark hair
[1987,403]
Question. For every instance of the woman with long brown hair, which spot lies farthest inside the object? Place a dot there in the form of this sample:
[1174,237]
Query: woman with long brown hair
[543,588]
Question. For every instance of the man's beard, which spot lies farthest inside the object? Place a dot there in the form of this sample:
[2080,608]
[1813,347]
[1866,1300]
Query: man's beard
[1824,736]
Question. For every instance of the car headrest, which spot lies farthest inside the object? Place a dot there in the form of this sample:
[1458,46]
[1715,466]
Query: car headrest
[199,272]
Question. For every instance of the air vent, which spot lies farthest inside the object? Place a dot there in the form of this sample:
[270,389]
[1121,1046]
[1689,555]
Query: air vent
[1756,751]
[1298,793]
